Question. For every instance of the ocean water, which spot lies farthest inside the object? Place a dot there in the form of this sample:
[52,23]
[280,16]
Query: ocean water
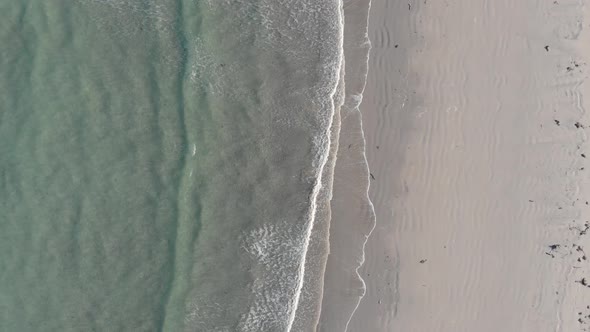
[160,161]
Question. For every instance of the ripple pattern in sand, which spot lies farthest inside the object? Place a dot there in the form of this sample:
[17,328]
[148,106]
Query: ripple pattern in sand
[475,121]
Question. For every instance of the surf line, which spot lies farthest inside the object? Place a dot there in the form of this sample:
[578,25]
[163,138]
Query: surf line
[323,161]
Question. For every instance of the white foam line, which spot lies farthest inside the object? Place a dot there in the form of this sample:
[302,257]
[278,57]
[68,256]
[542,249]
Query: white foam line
[323,161]
[366,239]
[368,183]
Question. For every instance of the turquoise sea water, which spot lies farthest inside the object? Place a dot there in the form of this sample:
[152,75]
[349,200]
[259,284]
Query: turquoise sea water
[159,161]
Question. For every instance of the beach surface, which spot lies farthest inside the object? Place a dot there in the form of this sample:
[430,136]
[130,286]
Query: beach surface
[476,127]
[257,166]
[352,217]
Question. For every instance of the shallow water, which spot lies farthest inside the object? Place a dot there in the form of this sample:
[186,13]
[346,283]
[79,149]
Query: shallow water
[159,163]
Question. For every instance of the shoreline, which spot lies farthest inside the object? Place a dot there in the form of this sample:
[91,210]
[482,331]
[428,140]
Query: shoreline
[309,308]
[352,215]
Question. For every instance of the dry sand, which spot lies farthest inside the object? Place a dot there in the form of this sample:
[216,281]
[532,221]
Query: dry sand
[471,131]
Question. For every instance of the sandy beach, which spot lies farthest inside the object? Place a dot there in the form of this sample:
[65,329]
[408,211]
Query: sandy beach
[352,217]
[262,166]
[476,128]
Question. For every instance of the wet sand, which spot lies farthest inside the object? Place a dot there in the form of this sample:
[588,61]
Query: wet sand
[352,216]
[476,128]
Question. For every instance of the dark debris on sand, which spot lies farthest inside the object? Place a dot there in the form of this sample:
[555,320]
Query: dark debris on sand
[580,230]
[552,249]
[583,282]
